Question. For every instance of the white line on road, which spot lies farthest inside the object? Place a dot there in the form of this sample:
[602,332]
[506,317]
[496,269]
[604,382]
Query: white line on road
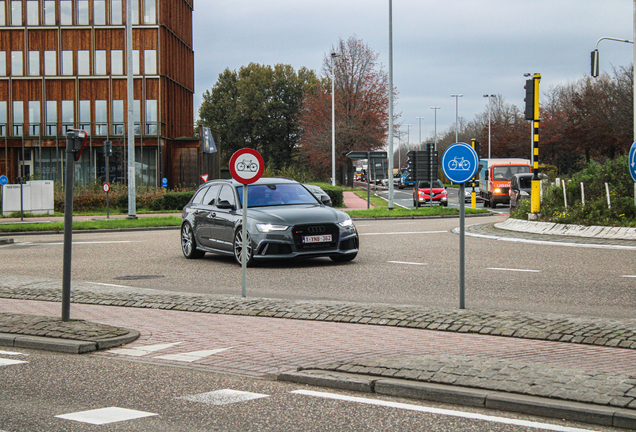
[88,242]
[193,356]
[548,243]
[405,232]
[109,285]
[105,415]
[11,353]
[630,276]
[142,350]
[462,414]
[408,263]
[517,270]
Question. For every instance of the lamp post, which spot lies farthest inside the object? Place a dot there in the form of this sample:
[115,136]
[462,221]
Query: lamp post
[333,120]
[390,173]
[489,98]
[408,137]
[435,108]
[420,121]
[456,96]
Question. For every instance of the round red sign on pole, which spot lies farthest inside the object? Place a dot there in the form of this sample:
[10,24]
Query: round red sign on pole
[106,187]
[246,166]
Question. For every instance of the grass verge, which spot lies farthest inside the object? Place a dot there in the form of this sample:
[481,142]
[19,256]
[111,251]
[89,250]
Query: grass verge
[143,222]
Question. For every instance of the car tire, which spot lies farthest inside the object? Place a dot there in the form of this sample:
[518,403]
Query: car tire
[493,203]
[238,246]
[445,204]
[343,258]
[189,243]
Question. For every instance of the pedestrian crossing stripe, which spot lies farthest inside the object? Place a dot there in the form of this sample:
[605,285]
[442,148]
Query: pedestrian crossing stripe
[223,397]
[105,415]
[8,362]
[191,356]
[139,351]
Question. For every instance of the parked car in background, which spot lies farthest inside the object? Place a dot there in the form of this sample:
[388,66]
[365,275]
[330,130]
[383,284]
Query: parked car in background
[521,188]
[318,193]
[468,190]
[422,194]
[284,220]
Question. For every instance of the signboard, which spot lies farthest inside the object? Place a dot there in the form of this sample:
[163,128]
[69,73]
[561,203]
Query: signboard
[246,166]
[164,182]
[460,163]
[207,141]
[367,155]
[631,161]
[106,187]
[3,180]
[205,177]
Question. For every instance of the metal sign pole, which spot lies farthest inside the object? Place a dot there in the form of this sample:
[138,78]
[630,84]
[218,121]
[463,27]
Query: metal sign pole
[244,237]
[68,233]
[368,181]
[462,252]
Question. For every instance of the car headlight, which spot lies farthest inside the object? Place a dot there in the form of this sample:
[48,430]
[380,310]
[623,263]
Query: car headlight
[267,227]
[346,223]
[497,190]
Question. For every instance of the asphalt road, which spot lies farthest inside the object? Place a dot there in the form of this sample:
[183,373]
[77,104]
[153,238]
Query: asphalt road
[59,392]
[404,198]
[412,262]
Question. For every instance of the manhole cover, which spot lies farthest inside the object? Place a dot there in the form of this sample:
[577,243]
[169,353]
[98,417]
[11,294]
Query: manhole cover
[139,277]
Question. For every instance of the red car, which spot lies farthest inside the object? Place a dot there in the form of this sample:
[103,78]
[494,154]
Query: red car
[421,194]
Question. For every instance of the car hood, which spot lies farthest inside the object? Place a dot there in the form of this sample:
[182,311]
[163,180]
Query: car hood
[435,190]
[296,214]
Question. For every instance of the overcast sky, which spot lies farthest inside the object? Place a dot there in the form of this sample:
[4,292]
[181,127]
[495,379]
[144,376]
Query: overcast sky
[440,47]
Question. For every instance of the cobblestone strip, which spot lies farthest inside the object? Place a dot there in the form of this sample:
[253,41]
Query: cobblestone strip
[33,325]
[603,388]
[549,327]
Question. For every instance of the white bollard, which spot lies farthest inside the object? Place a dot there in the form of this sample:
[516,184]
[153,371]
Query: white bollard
[609,204]
[582,195]
[565,197]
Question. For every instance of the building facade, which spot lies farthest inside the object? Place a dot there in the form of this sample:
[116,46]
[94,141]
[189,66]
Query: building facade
[63,65]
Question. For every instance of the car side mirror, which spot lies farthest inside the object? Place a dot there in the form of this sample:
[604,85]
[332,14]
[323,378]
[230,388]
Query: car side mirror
[325,200]
[486,175]
[225,205]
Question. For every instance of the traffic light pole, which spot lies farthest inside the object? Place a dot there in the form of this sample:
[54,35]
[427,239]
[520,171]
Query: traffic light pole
[535,196]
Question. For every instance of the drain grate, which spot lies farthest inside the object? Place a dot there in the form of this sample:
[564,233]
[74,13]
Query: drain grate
[138,277]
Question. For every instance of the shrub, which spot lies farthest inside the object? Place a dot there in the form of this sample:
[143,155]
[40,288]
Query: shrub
[334,192]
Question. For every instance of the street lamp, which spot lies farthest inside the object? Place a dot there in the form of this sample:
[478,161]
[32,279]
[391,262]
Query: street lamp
[435,108]
[489,98]
[408,136]
[333,120]
[456,96]
[420,120]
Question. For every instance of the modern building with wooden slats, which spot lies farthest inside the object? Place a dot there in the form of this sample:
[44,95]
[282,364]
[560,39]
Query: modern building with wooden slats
[63,65]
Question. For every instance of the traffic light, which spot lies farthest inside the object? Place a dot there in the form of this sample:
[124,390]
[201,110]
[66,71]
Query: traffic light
[477,147]
[529,99]
[108,148]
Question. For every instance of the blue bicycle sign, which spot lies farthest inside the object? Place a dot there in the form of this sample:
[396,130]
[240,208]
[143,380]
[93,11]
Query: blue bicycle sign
[460,163]
[631,161]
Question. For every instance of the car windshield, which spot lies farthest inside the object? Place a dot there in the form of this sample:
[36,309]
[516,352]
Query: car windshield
[525,182]
[505,173]
[425,184]
[276,194]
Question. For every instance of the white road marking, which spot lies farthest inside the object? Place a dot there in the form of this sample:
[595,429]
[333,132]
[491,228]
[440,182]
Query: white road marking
[105,415]
[8,362]
[89,242]
[408,263]
[109,285]
[191,356]
[453,413]
[223,397]
[514,270]
[11,353]
[548,243]
[142,350]
[405,232]
[630,276]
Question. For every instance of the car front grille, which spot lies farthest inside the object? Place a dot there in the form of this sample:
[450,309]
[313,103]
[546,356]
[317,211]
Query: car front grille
[300,231]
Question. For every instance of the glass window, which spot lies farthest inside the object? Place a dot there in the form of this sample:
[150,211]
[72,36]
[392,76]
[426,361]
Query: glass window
[100,62]
[51,117]
[33,16]
[137,116]
[66,12]
[67,62]
[49,12]
[116,62]
[227,194]
[135,11]
[3,118]
[85,115]
[83,62]
[135,56]
[115,12]
[118,117]
[151,117]
[150,14]
[50,66]
[16,63]
[34,62]
[82,12]
[99,12]
[3,18]
[198,197]
[67,115]
[16,13]
[18,117]
[101,117]
[34,117]
[3,63]
[150,62]
[210,195]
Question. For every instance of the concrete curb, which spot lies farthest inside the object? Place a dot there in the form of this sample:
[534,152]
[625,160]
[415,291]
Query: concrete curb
[68,346]
[551,228]
[544,407]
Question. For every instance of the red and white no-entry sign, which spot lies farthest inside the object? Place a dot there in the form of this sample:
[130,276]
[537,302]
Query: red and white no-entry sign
[106,187]
[246,166]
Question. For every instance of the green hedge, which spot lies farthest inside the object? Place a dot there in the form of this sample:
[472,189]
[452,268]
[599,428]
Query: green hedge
[334,192]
